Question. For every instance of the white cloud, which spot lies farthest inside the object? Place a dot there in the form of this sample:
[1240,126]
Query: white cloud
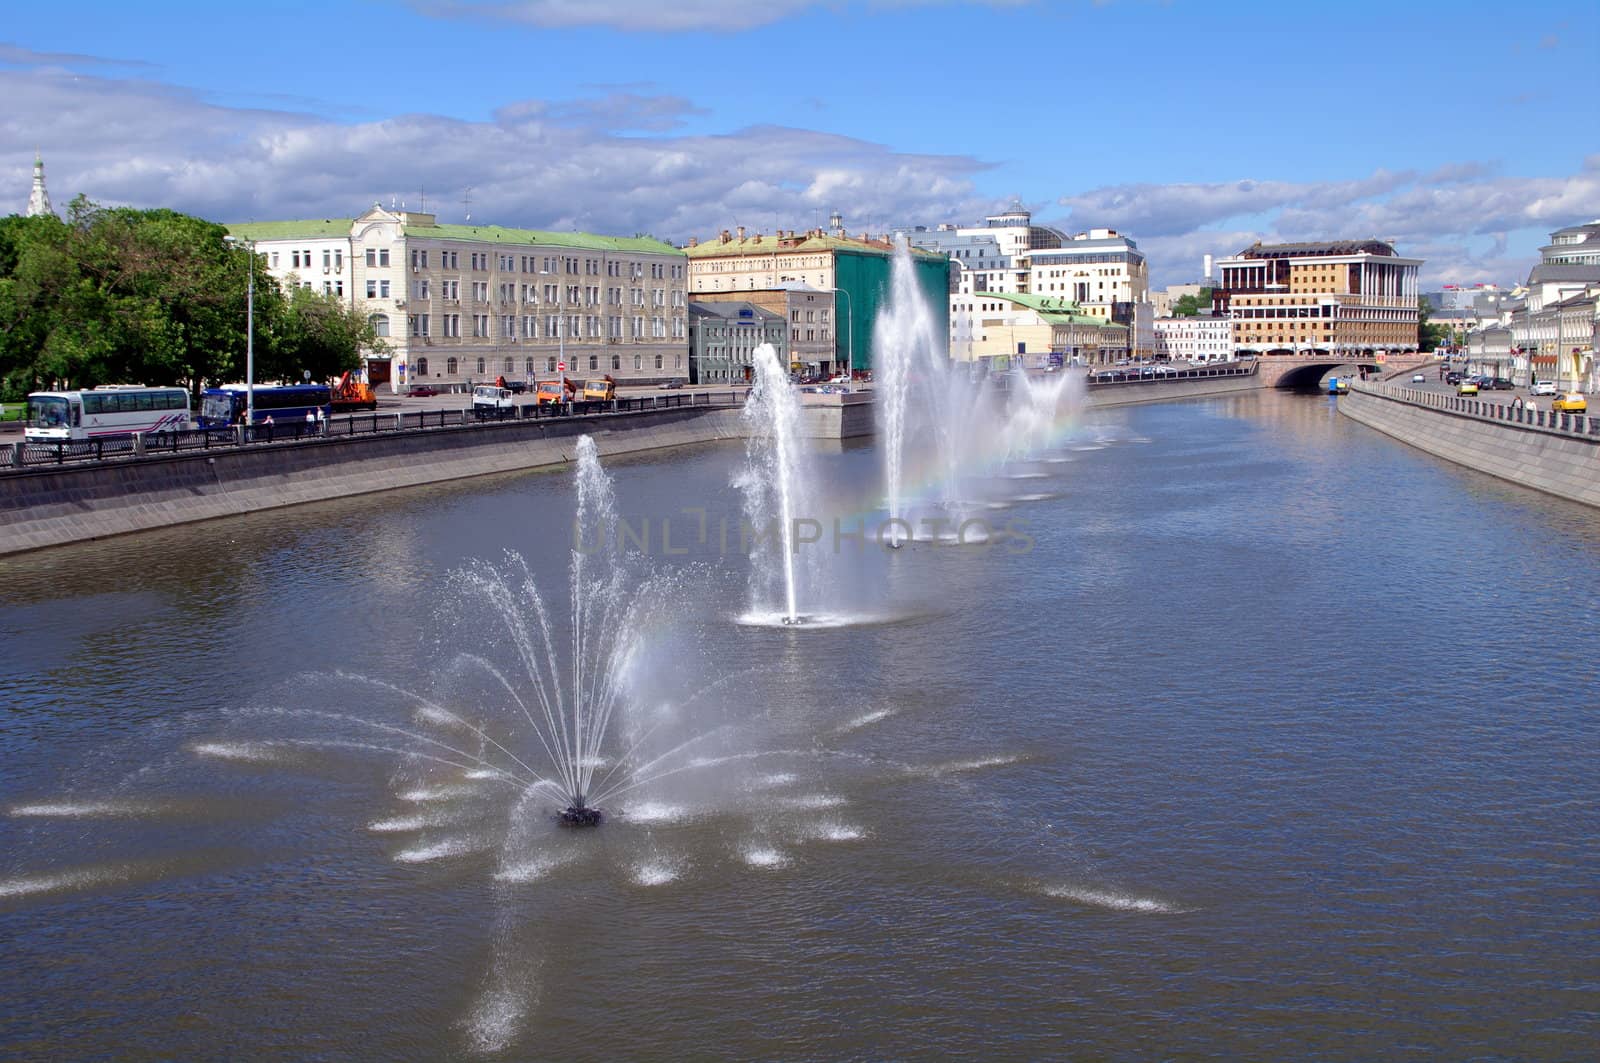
[1457,217]
[532,164]
[645,16]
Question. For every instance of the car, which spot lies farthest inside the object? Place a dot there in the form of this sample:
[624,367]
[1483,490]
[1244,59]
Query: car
[1419,378]
[1544,387]
[422,391]
[1466,387]
[516,387]
[1452,377]
[1500,383]
[669,385]
[1571,402]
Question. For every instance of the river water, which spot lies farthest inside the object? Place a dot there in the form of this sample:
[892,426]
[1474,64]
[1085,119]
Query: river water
[1279,742]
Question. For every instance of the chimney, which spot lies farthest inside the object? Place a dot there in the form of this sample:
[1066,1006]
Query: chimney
[726,236]
[741,232]
[694,241]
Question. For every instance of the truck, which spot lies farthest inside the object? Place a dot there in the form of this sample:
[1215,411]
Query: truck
[352,394]
[605,388]
[554,392]
[491,401]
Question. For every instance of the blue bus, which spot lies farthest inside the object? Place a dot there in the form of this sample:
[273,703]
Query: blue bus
[224,406]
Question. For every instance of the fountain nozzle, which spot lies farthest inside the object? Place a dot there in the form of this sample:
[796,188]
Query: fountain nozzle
[580,815]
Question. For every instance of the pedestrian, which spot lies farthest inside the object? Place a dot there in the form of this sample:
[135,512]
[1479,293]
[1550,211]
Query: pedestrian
[311,422]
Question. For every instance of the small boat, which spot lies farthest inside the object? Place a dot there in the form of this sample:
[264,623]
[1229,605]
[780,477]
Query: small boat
[1338,385]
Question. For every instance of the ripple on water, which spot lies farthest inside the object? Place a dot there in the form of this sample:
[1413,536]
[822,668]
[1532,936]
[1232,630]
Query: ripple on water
[655,873]
[764,856]
[1114,900]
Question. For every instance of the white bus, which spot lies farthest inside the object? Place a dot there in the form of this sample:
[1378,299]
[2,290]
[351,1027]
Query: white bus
[112,410]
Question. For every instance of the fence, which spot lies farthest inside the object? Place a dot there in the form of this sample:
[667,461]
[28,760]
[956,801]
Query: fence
[1149,375]
[27,454]
[1528,416]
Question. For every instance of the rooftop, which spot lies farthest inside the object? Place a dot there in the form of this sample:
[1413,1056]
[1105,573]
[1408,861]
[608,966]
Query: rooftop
[1055,309]
[729,245]
[490,234]
[1308,250]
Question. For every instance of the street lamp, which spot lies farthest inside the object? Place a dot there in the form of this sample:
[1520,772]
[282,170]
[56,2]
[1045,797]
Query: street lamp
[850,335]
[249,332]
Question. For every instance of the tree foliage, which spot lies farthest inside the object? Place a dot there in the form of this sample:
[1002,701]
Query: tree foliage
[1191,305]
[115,295]
[1430,337]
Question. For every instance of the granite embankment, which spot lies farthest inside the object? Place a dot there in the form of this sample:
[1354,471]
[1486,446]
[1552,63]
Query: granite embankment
[1102,396]
[1557,453]
[52,505]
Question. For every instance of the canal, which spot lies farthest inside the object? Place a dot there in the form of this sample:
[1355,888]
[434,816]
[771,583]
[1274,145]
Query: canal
[1256,735]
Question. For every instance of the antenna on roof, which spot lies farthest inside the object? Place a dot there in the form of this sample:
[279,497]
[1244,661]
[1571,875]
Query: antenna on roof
[423,198]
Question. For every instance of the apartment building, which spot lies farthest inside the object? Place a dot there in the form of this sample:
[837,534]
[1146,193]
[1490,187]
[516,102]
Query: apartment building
[1194,339]
[1355,296]
[1101,271]
[854,269]
[1038,331]
[462,303]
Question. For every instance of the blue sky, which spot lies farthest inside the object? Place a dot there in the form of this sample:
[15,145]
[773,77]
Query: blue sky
[1465,132]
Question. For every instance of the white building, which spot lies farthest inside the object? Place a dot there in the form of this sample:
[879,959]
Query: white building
[1194,339]
[459,303]
[1102,272]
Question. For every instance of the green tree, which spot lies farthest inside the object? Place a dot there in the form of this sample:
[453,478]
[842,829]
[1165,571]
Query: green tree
[1430,337]
[317,334]
[1191,305]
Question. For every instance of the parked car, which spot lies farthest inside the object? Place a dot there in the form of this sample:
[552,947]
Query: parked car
[1419,378]
[1466,387]
[422,391]
[517,387]
[670,385]
[1545,387]
[1571,402]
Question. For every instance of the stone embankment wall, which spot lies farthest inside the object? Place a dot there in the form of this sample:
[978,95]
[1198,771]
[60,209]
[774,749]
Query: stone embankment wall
[52,505]
[1558,454]
[1102,396]
[837,415]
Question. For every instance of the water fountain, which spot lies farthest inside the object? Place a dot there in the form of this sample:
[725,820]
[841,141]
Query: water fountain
[775,484]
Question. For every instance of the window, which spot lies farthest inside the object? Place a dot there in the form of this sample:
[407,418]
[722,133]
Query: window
[594,362]
[383,257]
[480,367]
[530,367]
[550,364]
[616,361]
[450,366]
[638,361]
[422,367]
[658,361]
[383,289]
[274,260]
[380,324]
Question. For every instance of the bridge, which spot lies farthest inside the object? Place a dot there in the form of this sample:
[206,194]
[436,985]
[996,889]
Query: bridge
[1301,370]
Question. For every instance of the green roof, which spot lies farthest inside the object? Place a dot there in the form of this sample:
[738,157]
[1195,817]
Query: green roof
[491,234]
[290,230]
[767,244]
[494,234]
[1056,309]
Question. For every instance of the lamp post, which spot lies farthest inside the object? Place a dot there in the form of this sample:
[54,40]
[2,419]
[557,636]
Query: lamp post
[249,332]
[850,335]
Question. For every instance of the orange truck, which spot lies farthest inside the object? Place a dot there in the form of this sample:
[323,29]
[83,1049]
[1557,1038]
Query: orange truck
[604,388]
[550,392]
[352,394]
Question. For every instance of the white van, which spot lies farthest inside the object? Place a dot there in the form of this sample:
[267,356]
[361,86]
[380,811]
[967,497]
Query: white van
[491,401]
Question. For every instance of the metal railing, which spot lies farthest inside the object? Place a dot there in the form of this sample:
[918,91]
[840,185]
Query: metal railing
[27,454]
[1137,374]
[1528,416]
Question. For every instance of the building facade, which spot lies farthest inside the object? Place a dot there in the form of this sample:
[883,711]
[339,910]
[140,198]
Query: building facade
[855,270]
[811,319]
[1015,330]
[1355,298]
[1194,339]
[461,303]
[723,337]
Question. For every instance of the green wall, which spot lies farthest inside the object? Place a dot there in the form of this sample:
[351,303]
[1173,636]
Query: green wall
[866,278]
